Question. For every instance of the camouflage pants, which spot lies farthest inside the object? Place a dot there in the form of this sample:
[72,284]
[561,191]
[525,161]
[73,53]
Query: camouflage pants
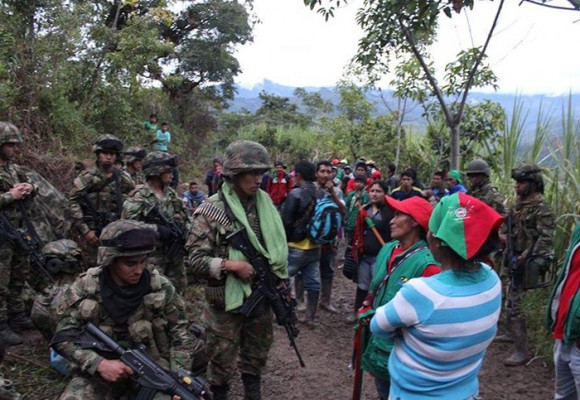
[14,270]
[173,269]
[228,334]
[94,388]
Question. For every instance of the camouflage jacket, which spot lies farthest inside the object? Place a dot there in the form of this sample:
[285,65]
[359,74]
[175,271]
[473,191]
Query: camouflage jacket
[163,308]
[138,177]
[9,176]
[490,196]
[533,225]
[90,182]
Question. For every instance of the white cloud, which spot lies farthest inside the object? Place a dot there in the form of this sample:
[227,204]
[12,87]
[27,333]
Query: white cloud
[533,49]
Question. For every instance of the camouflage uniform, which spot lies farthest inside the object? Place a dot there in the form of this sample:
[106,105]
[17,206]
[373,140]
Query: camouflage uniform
[158,323]
[485,191]
[137,207]
[228,333]
[14,265]
[131,155]
[101,196]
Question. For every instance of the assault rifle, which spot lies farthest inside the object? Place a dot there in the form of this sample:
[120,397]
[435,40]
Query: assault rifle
[146,372]
[94,218]
[281,300]
[178,232]
[28,241]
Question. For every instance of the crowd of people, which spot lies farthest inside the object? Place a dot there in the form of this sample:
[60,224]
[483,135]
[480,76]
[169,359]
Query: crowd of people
[430,264]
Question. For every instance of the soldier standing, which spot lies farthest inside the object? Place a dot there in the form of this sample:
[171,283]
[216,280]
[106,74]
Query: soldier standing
[529,253]
[98,193]
[133,158]
[158,205]
[133,305]
[230,275]
[478,173]
[14,265]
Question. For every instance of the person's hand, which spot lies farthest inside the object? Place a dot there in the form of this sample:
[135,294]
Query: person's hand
[242,269]
[21,190]
[113,370]
[329,185]
[91,238]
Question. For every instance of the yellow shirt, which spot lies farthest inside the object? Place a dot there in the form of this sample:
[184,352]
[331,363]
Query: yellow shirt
[305,244]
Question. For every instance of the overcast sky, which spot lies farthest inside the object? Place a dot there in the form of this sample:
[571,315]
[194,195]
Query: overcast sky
[534,49]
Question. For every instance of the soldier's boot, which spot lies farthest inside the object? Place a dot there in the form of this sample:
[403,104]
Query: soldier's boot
[358,302]
[299,293]
[508,336]
[219,392]
[9,337]
[20,322]
[252,387]
[311,306]
[520,354]
[326,295]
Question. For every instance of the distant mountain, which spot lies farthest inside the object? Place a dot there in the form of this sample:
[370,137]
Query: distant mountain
[247,99]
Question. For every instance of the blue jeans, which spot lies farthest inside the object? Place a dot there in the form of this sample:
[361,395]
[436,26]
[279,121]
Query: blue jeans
[567,368]
[307,262]
[365,272]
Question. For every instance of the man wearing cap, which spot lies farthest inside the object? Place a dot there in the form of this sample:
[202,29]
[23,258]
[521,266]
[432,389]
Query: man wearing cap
[98,193]
[135,306]
[442,325]
[531,244]
[404,258]
[454,183]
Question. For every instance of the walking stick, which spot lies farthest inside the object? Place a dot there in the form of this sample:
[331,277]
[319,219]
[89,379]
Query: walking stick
[372,226]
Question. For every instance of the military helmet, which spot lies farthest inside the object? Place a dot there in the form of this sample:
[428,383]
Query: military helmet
[9,133]
[244,156]
[157,162]
[108,143]
[62,256]
[133,154]
[124,238]
[528,172]
[478,167]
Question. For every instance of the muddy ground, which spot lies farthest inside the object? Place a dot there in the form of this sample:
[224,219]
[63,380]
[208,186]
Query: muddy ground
[326,352]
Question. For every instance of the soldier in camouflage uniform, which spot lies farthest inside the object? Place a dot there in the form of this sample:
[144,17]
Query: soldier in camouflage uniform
[478,173]
[98,193]
[238,203]
[15,189]
[133,158]
[158,167]
[133,305]
[64,263]
[532,224]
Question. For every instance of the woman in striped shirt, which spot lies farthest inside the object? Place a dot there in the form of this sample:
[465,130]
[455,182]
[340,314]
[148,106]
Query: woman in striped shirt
[442,325]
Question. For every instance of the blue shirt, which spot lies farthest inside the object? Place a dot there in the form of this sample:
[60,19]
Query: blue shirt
[162,140]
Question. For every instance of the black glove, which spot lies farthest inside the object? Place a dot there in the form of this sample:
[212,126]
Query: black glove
[164,232]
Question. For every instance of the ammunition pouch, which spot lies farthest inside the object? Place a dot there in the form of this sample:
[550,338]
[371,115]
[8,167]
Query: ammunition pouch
[537,272]
[216,296]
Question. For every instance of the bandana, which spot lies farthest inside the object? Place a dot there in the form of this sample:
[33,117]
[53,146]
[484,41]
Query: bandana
[454,174]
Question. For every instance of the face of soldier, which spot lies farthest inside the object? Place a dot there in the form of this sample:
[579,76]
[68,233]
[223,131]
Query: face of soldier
[323,174]
[166,177]
[106,158]
[475,180]
[401,225]
[138,165]
[522,188]
[8,151]
[127,271]
[248,183]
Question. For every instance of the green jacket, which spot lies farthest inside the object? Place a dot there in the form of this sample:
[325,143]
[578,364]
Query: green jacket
[572,323]
[414,261]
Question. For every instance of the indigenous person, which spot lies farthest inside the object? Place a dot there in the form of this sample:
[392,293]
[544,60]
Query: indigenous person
[360,169]
[133,159]
[367,245]
[193,197]
[133,305]
[213,176]
[15,189]
[151,125]
[278,185]
[392,179]
[437,189]
[442,325]
[158,205]
[353,201]
[239,204]
[98,193]
[407,188]
[454,183]
[162,138]
[406,256]
[532,246]
[478,173]
[564,323]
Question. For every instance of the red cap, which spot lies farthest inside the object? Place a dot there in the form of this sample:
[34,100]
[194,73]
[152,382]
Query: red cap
[417,207]
[376,174]
[335,161]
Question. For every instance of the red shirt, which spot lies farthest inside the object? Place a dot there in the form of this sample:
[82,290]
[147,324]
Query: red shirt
[570,288]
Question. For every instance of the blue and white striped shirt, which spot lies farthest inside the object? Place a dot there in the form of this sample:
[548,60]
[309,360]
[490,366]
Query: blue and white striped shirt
[442,326]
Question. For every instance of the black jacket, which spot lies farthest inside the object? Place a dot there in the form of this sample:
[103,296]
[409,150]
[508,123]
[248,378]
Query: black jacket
[297,211]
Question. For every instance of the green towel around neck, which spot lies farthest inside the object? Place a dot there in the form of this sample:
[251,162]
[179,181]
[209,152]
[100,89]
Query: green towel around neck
[276,251]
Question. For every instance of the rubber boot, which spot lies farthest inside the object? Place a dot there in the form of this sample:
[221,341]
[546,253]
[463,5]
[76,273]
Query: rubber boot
[520,354]
[326,295]
[358,302]
[20,322]
[299,293]
[9,337]
[311,306]
[508,336]
[252,387]
[219,392]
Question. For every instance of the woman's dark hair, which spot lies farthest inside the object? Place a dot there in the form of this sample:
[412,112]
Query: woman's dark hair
[491,244]
[383,185]
[306,169]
